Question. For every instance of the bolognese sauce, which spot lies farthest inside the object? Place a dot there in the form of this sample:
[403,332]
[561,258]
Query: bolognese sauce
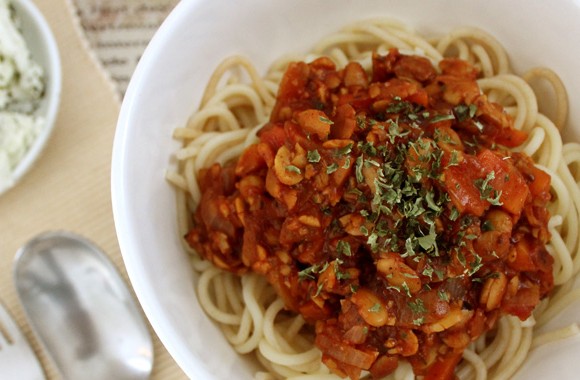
[387,209]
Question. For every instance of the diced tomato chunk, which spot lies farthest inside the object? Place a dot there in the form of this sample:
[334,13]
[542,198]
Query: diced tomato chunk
[520,257]
[313,312]
[541,182]
[420,97]
[383,366]
[458,67]
[523,303]
[510,137]
[344,123]
[291,88]
[506,179]
[250,161]
[273,134]
[443,368]
[460,183]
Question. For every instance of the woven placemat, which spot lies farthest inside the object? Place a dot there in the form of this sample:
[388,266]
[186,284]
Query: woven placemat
[118,31]
[69,187]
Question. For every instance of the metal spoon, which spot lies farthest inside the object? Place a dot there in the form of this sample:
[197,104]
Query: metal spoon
[80,308]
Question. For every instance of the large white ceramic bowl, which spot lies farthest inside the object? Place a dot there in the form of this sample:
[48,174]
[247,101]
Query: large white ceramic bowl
[44,50]
[168,84]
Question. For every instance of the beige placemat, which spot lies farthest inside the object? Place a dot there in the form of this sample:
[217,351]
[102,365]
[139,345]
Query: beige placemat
[69,188]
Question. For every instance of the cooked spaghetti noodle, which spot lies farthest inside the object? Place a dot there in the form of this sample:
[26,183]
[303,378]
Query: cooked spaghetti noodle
[238,102]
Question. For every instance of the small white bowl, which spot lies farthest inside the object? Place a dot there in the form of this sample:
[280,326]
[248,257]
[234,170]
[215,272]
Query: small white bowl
[44,50]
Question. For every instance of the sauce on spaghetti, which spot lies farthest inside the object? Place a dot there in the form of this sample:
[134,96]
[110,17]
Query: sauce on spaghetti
[386,209]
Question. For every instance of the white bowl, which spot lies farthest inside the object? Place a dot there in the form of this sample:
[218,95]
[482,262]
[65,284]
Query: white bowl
[167,86]
[44,51]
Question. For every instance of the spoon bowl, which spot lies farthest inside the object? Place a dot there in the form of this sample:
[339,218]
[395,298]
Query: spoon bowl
[80,309]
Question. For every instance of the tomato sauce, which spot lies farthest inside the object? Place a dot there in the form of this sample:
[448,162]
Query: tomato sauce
[387,210]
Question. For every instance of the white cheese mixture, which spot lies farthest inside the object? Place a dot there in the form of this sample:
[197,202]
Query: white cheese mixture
[21,89]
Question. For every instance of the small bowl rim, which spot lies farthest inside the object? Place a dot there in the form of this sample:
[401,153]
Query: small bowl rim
[52,96]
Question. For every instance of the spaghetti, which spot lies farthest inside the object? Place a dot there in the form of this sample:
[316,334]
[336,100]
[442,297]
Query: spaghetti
[233,110]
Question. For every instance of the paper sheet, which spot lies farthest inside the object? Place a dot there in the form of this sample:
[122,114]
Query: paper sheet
[119,30]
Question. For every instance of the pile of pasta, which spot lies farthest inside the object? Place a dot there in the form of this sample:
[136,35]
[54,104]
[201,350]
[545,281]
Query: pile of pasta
[237,102]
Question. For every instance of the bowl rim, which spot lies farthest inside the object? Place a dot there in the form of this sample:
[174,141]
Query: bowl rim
[119,197]
[52,96]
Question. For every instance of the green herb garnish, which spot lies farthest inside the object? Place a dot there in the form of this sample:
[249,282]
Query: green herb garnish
[313,156]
